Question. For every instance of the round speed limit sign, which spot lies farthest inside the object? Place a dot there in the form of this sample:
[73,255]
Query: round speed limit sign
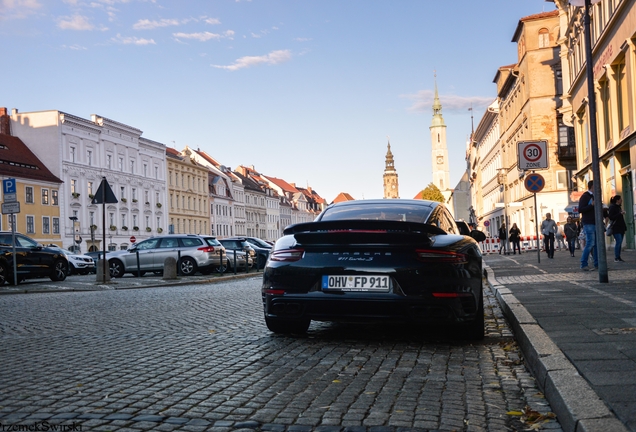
[532,155]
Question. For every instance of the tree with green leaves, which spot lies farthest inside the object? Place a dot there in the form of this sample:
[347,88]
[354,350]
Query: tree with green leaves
[432,193]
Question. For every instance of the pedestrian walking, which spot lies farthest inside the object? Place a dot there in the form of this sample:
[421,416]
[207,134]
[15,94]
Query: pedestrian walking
[571,231]
[580,239]
[617,225]
[503,236]
[515,237]
[588,219]
[559,236]
[548,229]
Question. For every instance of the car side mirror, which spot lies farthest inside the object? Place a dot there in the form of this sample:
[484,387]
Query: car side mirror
[478,235]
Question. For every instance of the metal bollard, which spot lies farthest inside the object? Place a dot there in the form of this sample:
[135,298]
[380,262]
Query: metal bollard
[138,267]
[221,262]
[179,263]
[234,260]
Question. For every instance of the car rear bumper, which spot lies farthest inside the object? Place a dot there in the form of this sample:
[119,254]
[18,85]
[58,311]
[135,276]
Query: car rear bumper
[362,307]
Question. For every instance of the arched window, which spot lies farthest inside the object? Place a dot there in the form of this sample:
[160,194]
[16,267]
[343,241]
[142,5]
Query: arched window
[544,38]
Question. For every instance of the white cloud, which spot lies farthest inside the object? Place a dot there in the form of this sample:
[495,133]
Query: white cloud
[132,40]
[213,21]
[75,47]
[423,101]
[204,36]
[275,57]
[303,39]
[144,24]
[76,22]
[18,8]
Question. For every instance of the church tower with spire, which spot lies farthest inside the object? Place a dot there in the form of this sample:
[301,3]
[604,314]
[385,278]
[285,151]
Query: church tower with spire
[439,152]
[390,176]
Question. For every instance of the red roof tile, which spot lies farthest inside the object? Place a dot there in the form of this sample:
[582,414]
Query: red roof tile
[16,160]
[343,196]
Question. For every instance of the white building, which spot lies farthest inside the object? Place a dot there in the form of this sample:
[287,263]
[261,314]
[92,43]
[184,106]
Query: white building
[81,152]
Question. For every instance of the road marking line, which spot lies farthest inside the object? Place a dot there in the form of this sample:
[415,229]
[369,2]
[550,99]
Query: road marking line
[608,295]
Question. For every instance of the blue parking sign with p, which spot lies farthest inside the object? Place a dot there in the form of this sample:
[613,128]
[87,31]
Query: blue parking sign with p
[8,186]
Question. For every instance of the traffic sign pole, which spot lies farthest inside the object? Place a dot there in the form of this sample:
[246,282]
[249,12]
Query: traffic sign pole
[536,228]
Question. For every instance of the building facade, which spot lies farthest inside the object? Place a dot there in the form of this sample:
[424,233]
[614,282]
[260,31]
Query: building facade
[81,153]
[613,35]
[188,209]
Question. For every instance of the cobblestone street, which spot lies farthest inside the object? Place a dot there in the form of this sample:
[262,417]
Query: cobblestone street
[199,357]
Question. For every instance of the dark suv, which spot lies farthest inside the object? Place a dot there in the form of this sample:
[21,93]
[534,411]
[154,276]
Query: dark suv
[256,251]
[34,260]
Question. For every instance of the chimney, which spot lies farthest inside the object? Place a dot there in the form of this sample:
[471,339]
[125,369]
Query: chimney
[5,122]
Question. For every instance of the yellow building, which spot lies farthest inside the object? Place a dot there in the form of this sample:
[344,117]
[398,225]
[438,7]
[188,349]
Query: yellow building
[37,189]
[613,35]
[188,195]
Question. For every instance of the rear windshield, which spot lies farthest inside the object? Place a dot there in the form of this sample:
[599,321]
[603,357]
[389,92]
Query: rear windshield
[191,242]
[402,212]
[212,241]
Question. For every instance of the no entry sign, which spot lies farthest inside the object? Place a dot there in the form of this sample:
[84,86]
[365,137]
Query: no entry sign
[532,155]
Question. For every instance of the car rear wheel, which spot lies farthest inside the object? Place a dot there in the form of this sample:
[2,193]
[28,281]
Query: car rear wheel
[287,326]
[116,268]
[4,274]
[188,266]
[223,268]
[474,330]
[59,271]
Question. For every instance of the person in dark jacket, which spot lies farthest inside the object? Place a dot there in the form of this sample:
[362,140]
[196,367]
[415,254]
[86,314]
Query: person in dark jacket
[619,227]
[571,231]
[515,237]
[588,219]
[503,235]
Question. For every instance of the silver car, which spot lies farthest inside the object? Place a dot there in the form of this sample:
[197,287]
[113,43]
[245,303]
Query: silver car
[192,252]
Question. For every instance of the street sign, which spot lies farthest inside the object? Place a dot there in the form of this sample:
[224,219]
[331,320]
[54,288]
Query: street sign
[534,183]
[10,208]
[486,223]
[133,239]
[9,190]
[532,155]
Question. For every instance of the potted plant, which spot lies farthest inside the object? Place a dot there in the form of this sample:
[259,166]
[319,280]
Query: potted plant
[75,194]
[159,205]
[125,228]
[93,227]
[147,203]
[134,200]
[148,229]
[159,230]
[113,227]
[124,200]
[91,196]
[135,228]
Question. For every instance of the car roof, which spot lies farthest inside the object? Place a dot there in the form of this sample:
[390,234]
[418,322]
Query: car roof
[423,203]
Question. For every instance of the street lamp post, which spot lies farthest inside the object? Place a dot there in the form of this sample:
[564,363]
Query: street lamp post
[596,172]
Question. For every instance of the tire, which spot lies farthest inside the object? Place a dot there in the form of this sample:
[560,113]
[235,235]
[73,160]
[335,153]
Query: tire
[187,266]
[71,269]
[116,268]
[287,326]
[474,330]
[58,273]
[223,268]
[4,274]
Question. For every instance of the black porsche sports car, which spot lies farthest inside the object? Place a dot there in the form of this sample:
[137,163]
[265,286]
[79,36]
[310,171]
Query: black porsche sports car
[376,260]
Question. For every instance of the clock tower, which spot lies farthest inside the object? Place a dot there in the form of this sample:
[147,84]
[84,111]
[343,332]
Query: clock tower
[390,176]
[439,152]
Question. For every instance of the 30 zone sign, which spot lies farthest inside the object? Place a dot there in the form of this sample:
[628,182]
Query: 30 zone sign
[532,155]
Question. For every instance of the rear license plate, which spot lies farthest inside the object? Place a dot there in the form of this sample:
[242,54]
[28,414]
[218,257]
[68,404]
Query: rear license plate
[356,283]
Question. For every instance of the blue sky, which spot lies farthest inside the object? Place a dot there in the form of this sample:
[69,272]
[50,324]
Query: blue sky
[304,90]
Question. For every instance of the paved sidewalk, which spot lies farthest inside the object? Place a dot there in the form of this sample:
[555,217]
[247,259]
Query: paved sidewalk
[578,335]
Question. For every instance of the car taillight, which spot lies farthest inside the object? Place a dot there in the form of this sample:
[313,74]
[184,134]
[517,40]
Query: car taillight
[287,255]
[208,249]
[275,291]
[441,256]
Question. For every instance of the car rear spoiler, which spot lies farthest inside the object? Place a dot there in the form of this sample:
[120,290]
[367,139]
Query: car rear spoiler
[358,226]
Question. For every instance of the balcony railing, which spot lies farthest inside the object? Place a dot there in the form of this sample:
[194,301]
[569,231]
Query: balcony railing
[567,153]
